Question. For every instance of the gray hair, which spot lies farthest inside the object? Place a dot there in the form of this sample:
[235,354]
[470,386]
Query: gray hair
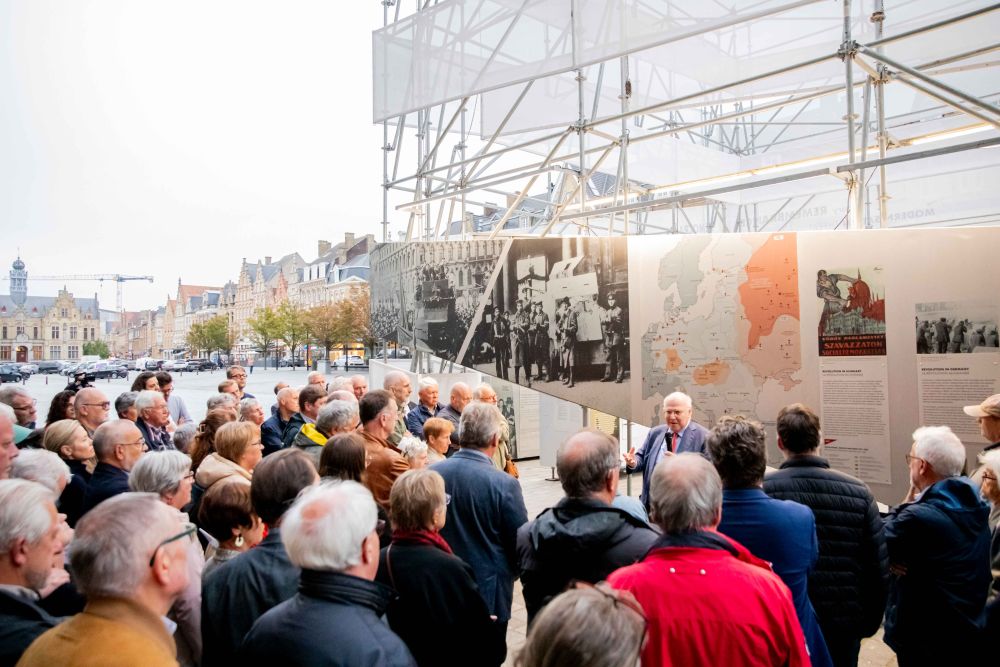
[8,392]
[184,436]
[426,383]
[392,378]
[223,400]
[248,404]
[941,449]
[990,459]
[680,396]
[335,416]
[114,541]
[42,466]
[159,472]
[338,383]
[107,435]
[412,447]
[584,462]
[480,423]
[477,393]
[342,395]
[125,401]
[147,399]
[314,374]
[23,514]
[685,493]
[326,526]
[8,412]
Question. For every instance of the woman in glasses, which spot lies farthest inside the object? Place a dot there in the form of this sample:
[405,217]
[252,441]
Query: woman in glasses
[436,588]
[990,491]
[168,474]
[68,439]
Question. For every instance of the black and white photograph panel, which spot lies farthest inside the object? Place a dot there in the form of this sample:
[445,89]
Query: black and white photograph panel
[556,320]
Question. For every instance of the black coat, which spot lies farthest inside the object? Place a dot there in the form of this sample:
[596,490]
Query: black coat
[237,593]
[333,620]
[850,581]
[71,500]
[436,590]
[943,541]
[107,481]
[162,443]
[578,539]
[21,621]
[270,433]
[292,428]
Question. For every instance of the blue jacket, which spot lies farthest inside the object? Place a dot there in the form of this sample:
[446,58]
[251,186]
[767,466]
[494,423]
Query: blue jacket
[692,440]
[270,433]
[21,622]
[782,532]
[943,541]
[417,416]
[485,512]
[334,620]
[107,481]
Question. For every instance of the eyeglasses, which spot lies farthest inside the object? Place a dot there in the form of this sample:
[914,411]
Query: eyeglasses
[621,599]
[237,375]
[189,530]
[987,476]
[910,458]
[137,443]
[189,474]
[29,406]
[104,406]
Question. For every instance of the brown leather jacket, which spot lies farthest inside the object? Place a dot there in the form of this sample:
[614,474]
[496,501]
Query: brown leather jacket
[385,463]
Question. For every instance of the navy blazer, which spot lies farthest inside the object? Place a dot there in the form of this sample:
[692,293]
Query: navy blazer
[692,440]
[154,445]
[107,481]
[485,512]
[270,433]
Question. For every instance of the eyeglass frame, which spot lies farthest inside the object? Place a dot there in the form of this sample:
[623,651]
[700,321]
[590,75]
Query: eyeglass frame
[189,531]
[141,441]
[106,405]
[910,458]
[989,476]
[34,404]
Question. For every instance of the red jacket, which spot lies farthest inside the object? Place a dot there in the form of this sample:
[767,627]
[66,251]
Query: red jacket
[709,601]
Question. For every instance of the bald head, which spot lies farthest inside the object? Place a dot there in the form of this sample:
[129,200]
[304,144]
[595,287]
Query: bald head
[461,394]
[484,393]
[588,465]
[288,402]
[91,407]
[397,383]
[118,443]
[359,383]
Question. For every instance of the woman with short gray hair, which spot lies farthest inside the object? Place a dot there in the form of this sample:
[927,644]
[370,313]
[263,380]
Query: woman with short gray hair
[990,490]
[168,474]
[436,588]
[43,467]
[415,452]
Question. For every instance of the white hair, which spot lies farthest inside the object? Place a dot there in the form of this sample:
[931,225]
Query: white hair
[477,393]
[8,392]
[113,543]
[314,374]
[220,400]
[159,472]
[941,449]
[679,396]
[8,412]
[990,459]
[335,416]
[184,436]
[480,423]
[412,447]
[426,383]
[42,466]
[248,404]
[23,512]
[338,383]
[392,378]
[146,399]
[685,493]
[326,526]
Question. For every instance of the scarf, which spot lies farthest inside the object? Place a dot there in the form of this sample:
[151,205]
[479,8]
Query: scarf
[428,537]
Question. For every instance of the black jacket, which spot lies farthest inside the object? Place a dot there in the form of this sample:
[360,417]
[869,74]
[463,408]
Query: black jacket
[107,481]
[943,541]
[578,539]
[333,620]
[270,433]
[21,621]
[292,428]
[850,581]
[156,444]
[237,593]
[436,590]
[71,500]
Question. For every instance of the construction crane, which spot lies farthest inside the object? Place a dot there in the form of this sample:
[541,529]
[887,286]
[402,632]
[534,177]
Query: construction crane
[118,279]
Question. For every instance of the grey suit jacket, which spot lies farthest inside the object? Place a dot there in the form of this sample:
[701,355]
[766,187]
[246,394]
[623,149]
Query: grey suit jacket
[692,440]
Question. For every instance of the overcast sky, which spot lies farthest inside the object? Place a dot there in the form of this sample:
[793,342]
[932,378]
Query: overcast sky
[174,138]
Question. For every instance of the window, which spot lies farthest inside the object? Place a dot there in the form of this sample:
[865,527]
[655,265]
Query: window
[20,329]
[72,333]
[35,333]
[55,333]
[85,333]
[55,352]
[5,353]
[36,352]
[5,332]
[63,312]
[72,352]
[92,336]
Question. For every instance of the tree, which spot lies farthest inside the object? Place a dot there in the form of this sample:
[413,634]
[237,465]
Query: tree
[358,313]
[326,325]
[294,331]
[265,330]
[98,347]
[212,335]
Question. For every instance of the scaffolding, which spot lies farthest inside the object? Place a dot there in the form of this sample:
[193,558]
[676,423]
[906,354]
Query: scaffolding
[610,117]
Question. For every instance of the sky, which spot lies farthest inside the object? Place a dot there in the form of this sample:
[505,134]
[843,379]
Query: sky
[173,139]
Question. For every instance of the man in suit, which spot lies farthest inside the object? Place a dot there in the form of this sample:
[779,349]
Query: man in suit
[117,446]
[154,415]
[485,512]
[677,434]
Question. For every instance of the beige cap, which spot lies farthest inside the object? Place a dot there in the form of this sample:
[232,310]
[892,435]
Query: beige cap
[988,408]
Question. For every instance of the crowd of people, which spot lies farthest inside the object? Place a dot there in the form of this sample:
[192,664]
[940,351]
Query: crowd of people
[351,527]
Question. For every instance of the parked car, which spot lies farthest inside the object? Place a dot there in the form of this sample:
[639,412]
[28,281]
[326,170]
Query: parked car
[48,367]
[28,369]
[202,365]
[70,368]
[154,365]
[289,363]
[348,361]
[102,370]
[9,373]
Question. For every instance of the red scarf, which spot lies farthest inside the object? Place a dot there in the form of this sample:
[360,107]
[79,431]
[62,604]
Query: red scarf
[428,537]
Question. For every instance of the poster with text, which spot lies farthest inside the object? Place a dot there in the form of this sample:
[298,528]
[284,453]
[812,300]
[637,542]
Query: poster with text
[852,317]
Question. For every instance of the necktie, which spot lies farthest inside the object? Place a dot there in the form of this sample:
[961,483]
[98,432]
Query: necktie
[673,443]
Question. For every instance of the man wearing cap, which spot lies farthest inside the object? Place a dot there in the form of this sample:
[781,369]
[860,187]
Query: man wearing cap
[987,414]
